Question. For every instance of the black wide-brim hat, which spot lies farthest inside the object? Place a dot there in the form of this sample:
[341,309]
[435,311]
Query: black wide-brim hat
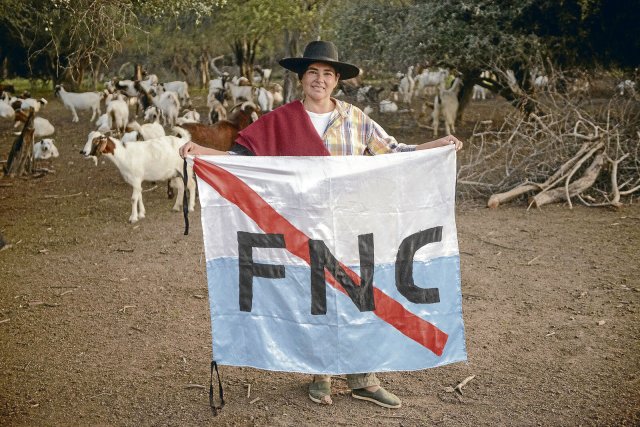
[320,51]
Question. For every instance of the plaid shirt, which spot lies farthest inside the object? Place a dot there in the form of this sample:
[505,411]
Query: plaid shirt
[352,133]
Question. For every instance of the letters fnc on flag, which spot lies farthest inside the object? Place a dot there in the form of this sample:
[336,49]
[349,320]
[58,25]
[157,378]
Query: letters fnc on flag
[381,226]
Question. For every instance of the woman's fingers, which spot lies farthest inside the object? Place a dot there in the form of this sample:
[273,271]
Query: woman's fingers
[455,141]
[185,149]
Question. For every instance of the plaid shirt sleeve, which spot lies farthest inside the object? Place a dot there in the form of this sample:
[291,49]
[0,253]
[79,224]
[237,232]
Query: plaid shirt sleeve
[379,142]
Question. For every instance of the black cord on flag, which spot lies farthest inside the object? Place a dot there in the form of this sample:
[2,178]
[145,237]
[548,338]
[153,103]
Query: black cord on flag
[212,402]
[185,205]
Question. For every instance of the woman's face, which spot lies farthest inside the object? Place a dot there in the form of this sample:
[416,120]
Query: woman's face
[319,81]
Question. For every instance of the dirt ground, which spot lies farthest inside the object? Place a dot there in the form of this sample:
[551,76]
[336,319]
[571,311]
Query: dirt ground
[107,323]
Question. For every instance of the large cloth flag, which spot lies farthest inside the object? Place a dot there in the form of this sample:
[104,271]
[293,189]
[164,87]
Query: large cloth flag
[333,264]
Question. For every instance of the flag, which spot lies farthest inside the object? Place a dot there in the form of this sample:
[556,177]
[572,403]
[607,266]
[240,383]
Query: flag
[333,265]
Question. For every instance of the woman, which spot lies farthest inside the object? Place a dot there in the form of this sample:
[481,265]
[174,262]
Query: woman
[320,125]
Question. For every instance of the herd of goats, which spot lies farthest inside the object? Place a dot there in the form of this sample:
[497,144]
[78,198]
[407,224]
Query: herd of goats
[233,103]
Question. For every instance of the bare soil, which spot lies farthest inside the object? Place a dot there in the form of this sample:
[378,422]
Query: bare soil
[107,323]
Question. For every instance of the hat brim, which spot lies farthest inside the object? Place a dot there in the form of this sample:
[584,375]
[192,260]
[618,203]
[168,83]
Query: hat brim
[300,65]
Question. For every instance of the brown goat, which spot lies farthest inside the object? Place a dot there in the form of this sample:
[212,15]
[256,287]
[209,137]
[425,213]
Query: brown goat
[222,134]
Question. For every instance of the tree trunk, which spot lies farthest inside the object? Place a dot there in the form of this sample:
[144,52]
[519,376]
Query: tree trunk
[291,39]
[204,68]
[137,73]
[95,73]
[20,161]
[469,79]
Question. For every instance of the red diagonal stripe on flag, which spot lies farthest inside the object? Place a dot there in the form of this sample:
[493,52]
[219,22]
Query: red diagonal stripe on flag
[270,221]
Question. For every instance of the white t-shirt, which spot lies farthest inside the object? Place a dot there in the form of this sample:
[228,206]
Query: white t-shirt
[320,121]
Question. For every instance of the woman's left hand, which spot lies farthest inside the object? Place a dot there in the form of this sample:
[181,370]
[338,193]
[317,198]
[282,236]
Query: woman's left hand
[446,140]
[450,139]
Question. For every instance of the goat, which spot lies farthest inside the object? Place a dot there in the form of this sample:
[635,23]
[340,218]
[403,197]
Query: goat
[262,75]
[44,149]
[446,105]
[428,81]
[480,92]
[626,87]
[406,85]
[146,131]
[222,134]
[168,104]
[216,109]
[217,89]
[151,81]
[278,97]
[180,88]
[239,92]
[6,111]
[118,114]
[41,126]
[103,123]
[79,101]
[126,87]
[190,116]
[152,160]
[36,104]
[265,99]
[368,93]
[387,106]
[145,99]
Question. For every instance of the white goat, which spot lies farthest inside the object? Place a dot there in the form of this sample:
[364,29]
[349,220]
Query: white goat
[180,88]
[79,101]
[44,149]
[387,106]
[446,105]
[169,106]
[6,111]
[118,114]
[239,92]
[36,104]
[147,130]
[278,97]
[150,82]
[190,116]
[265,99]
[103,123]
[41,126]
[626,87]
[152,160]
[428,81]
[406,85]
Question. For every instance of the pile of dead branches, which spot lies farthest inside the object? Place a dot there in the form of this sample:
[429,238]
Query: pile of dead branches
[568,151]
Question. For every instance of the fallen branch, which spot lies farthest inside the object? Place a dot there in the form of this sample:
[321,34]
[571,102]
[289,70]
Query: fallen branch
[198,386]
[573,189]
[458,388]
[56,196]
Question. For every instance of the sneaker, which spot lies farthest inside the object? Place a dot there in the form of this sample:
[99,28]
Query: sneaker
[380,397]
[320,392]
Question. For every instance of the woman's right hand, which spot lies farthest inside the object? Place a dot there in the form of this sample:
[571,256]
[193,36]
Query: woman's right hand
[188,149]
[192,149]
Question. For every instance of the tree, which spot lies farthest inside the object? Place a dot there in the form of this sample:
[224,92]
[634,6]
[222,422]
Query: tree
[64,38]
[467,36]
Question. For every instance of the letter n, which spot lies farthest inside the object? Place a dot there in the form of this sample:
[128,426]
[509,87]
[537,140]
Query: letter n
[322,258]
[248,269]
